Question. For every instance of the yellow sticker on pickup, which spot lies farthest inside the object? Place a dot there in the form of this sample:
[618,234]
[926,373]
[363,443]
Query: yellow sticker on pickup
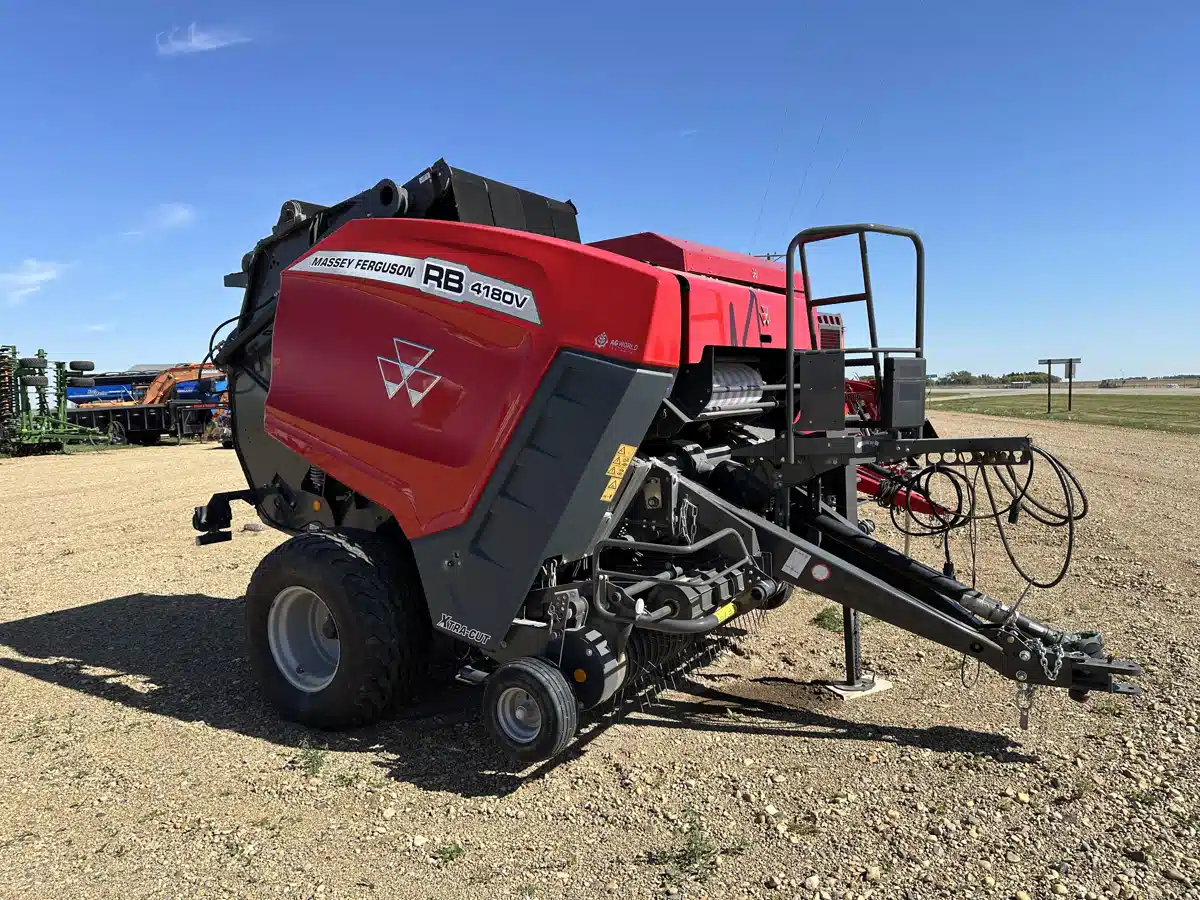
[725,613]
[616,470]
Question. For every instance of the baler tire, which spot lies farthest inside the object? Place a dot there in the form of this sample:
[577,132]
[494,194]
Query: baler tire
[399,570]
[81,365]
[35,381]
[32,362]
[548,687]
[375,656]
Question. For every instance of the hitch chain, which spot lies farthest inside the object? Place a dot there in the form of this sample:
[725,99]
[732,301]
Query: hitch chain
[1051,669]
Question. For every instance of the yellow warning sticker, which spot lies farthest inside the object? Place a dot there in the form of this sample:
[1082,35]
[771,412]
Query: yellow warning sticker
[616,470]
[725,613]
[621,461]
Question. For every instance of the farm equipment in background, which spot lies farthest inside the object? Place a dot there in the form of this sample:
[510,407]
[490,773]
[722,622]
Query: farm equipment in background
[172,402]
[33,403]
[583,464]
[220,426]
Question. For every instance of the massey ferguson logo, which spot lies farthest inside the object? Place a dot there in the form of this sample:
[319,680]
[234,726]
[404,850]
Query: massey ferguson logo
[447,623]
[404,371]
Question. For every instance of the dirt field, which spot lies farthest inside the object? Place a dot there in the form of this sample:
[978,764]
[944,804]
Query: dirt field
[137,760]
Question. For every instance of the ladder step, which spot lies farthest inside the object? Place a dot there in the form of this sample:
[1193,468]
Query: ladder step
[841,298]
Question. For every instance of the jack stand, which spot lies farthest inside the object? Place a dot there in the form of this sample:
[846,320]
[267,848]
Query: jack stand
[854,687]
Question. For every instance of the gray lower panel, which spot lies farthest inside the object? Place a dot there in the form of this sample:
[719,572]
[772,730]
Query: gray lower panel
[544,498]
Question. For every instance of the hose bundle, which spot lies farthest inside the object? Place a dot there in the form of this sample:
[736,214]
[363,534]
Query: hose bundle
[1007,492]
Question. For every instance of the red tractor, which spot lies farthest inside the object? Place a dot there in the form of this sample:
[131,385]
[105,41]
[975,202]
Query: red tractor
[575,461]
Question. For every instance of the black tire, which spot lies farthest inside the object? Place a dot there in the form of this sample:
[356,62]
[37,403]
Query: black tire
[380,654]
[549,688]
[32,362]
[227,445]
[81,382]
[35,381]
[81,365]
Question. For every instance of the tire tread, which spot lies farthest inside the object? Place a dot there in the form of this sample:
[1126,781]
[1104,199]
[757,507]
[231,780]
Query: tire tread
[390,653]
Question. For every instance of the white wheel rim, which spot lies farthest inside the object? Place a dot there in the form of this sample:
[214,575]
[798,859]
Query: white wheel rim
[304,639]
[519,715]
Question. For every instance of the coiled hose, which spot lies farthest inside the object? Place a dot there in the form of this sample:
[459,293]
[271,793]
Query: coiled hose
[963,509]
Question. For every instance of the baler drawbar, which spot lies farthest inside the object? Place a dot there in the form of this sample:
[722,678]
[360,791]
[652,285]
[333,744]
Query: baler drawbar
[574,461]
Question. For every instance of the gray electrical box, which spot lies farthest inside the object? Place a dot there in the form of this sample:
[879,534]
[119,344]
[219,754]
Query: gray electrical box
[903,393]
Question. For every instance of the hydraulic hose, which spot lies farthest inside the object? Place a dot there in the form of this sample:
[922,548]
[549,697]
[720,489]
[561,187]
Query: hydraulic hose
[919,579]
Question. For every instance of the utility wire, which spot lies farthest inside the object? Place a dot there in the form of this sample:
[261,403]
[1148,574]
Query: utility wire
[832,174]
[808,168]
[767,190]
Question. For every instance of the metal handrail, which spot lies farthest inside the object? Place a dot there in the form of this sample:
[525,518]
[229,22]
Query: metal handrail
[824,233]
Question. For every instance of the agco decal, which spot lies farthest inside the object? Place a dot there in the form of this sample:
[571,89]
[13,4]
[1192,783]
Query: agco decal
[602,340]
[436,277]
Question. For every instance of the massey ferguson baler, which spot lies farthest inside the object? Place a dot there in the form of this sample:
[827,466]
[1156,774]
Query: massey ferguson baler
[574,462]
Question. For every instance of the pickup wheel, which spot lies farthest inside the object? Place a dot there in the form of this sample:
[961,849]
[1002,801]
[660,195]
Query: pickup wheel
[326,632]
[530,709]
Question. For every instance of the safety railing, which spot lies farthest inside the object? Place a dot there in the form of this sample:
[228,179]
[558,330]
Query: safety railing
[875,354]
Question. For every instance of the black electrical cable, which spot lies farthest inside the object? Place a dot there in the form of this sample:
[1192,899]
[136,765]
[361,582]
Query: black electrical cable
[212,340]
[962,509]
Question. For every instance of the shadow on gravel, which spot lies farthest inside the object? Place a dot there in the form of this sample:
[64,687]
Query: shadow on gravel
[716,710]
[182,657]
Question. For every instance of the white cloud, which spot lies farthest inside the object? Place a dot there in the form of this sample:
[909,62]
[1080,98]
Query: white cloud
[98,328]
[164,217]
[196,40]
[27,278]
[688,132]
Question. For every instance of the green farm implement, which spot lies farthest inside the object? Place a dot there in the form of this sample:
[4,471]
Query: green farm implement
[33,403]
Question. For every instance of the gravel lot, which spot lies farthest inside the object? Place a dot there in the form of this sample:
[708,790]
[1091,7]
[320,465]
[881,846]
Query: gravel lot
[137,760]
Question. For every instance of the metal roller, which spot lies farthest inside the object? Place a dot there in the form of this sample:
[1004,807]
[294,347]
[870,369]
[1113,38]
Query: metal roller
[735,386]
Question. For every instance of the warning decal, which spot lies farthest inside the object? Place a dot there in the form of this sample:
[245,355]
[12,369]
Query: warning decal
[616,470]
[796,562]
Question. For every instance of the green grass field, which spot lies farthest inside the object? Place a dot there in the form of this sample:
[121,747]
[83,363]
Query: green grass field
[1179,413]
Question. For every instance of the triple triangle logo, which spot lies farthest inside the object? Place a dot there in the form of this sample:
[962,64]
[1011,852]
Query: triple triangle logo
[404,371]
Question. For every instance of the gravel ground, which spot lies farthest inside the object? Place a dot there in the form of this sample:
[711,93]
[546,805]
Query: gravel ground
[137,760]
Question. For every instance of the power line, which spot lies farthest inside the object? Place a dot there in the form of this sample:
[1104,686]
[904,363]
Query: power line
[770,174]
[808,168]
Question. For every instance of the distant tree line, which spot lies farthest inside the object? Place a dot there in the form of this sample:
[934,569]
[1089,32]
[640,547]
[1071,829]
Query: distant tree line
[1121,382]
[964,378]
[1154,378]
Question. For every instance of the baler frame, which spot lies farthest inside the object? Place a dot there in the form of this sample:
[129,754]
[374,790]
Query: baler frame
[702,509]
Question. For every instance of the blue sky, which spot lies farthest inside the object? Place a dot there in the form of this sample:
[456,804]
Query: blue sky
[1047,152]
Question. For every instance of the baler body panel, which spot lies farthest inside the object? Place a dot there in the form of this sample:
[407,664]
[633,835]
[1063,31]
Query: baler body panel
[688,256]
[730,299]
[722,314]
[546,498]
[410,397]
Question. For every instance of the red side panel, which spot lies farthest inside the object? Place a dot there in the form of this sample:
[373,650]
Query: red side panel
[688,256]
[409,398]
[719,314]
[733,300]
